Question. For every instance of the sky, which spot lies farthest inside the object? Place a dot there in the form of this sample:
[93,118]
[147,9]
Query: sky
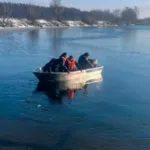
[144,5]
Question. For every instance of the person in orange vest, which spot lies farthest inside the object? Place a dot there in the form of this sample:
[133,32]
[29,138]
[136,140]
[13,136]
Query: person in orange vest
[71,64]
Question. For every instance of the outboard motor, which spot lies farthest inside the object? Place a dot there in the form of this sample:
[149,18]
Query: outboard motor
[94,62]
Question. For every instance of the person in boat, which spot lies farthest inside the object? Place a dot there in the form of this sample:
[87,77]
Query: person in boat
[56,65]
[71,64]
[49,66]
[63,58]
[84,61]
[62,62]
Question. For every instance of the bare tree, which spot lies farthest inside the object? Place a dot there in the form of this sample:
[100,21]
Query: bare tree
[6,13]
[116,16]
[33,13]
[89,19]
[56,7]
[136,10]
[117,13]
[129,16]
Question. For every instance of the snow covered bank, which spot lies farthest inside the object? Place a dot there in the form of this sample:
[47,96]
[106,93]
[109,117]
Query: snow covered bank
[24,23]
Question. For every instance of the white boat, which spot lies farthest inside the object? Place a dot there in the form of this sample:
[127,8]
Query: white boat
[79,76]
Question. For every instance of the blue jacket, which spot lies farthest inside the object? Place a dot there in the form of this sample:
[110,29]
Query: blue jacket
[84,63]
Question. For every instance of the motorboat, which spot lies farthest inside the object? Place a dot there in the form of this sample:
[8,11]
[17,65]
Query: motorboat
[79,76]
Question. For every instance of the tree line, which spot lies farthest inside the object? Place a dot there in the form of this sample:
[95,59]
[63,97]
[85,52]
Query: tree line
[145,21]
[58,12]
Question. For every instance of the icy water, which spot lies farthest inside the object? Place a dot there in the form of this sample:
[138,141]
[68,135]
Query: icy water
[112,114]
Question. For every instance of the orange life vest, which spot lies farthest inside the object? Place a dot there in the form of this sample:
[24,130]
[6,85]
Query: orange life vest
[71,93]
[70,64]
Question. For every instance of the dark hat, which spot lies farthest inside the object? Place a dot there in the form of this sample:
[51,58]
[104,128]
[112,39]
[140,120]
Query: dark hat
[86,54]
[64,54]
[71,57]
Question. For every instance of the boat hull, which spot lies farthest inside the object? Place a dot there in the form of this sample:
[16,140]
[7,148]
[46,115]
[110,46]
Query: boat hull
[78,76]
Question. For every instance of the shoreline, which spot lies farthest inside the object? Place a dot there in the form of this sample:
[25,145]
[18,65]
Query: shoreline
[24,23]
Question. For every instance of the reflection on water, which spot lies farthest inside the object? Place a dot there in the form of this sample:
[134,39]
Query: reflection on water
[55,36]
[56,92]
[34,35]
[130,38]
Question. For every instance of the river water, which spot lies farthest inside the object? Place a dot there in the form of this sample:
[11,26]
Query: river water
[111,114]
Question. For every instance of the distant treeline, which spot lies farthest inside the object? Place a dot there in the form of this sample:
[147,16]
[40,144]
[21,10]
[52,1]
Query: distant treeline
[32,12]
[145,21]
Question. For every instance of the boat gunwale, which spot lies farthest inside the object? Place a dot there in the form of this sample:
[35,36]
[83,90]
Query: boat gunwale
[64,73]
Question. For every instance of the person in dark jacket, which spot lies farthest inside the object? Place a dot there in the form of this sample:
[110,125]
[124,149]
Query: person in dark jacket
[63,58]
[49,66]
[84,61]
[56,65]
[62,62]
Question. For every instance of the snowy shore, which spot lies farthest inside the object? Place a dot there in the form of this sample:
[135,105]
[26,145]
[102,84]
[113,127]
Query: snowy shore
[24,23]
